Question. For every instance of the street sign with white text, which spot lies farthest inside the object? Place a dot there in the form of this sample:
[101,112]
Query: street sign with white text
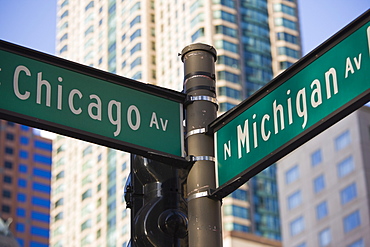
[317,91]
[51,93]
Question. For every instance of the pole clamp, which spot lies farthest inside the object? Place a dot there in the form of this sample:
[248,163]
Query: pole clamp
[198,195]
[196,131]
[191,98]
[200,158]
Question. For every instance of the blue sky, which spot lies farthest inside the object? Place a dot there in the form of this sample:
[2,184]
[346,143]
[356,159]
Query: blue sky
[32,23]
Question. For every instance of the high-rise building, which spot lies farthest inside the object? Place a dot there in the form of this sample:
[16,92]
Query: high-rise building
[25,172]
[141,39]
[324,187]
[87,202]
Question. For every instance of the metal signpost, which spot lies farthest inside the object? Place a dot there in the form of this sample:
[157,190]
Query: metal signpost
[316,92]
[75,100]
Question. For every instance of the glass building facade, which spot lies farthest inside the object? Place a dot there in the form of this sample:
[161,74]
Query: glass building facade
[25,173]
[255,40]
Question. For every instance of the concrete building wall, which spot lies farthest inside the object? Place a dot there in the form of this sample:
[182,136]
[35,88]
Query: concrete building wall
[339,167]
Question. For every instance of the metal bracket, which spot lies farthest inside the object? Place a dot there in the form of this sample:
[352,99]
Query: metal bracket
[196,131]
[200,158]
[191,98]
[199,194]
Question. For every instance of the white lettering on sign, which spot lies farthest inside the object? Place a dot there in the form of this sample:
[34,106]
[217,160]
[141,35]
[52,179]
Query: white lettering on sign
[135,126]
[76,101]
[349,66]
[17,71]
[70,101]
[154,121]
[41,82]
[283,114]
[117,122]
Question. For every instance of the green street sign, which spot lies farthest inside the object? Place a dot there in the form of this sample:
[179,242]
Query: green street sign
[51,93]
[319,90]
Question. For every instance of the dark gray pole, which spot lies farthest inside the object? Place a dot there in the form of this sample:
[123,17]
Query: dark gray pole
[204,214]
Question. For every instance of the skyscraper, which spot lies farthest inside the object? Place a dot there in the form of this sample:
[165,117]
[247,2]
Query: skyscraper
[254,39]
[323,187]
[87,201]
[25,173]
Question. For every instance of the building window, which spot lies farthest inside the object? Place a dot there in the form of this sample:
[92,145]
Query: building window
[236,211]
[9,150]
[65,14]
[236,227]
[239,194]
[358,243]
[19,227]
[198,19]
[136,48]
[136,20]
[297,226]
[40,231]
[59,175]
[21,197]
[324,237]
[136,6]
[43,145]
[220,14]
[21,212]
[8,165]
[86,224]
[225,106]
[348,194]
[59,203]
[23,154]
[22,182]
[64,37]
[7,194]
[59,216]
[226,45]
[89,5]
[226,31]
[42,173]
[228,76]
[287,37]
[38,201]
[86,194]
[343,140]
[9,136]
[136,34]
[351,221]
[288,51]
[294,200]
[278,7]
[199,33]
[285,65]
[286,23]
[5,208]
[345,167]
[38,216]
[292,174]
[316,158]
[89,30]
[46,160]
[319,183]
[22,168]
[43,188]
[7,179]
[136,62]
[321,210]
